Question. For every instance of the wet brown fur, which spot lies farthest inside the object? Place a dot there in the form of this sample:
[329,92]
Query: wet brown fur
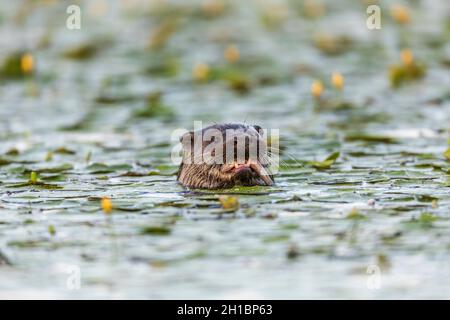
[211,176]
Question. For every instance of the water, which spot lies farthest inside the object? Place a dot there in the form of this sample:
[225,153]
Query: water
[315,234]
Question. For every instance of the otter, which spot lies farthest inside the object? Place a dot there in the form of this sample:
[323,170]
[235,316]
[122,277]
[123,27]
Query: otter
[223,156]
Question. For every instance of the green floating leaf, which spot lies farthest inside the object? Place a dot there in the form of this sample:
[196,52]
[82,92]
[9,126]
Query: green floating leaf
[54,177]
[276,238]
[38,185]
[289,226]
[325,164]
[322,164]
[175,204]
[64,150]
[426,198]
[400,74]
[115,99]
[333,156]
[12,152]
[164,170]
[55,169]
[370,138]
[156,230]
[12,66]
[294,198]
[426,217]
[4,162]
[134,174]
[87,49]
[163,66]
[333,45]
[154,107]
[97,168]
[425,220]
[81,52]
[235,78]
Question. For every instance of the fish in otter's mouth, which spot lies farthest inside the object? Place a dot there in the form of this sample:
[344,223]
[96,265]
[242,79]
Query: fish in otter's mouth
[223,156]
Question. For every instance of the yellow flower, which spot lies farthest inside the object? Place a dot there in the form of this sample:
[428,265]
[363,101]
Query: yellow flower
[27,63]
[213,7]
[52,230]
[49,156]
[313,8]
[337,80]
[33,177]
[229,203]
[200,72]
[400,14]
[316,88]
[434,204]
[106,205]
[231,54]
[355,214]
[407,57]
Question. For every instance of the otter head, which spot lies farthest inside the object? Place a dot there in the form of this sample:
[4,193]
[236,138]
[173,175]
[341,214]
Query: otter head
[223,156]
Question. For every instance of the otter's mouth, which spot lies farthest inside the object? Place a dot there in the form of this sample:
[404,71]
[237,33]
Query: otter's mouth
[248,169]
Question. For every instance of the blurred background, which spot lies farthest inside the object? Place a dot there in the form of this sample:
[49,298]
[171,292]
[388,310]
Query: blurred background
[91,92]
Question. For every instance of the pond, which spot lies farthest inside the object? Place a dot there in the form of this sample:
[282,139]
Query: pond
[89,203]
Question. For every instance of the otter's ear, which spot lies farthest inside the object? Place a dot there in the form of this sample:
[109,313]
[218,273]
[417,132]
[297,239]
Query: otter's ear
[187,139]
[259,129]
